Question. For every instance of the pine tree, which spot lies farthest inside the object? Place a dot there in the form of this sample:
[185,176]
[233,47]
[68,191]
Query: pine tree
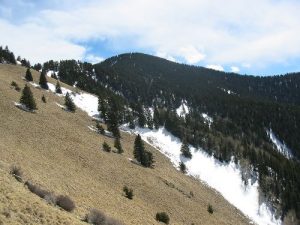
[156,118]
[185,150]
[102,108]
[118,146]
[69,103]
[139,149]
[28,75]
[141,116]
[27,98]
[113,118]
[43,80]
[58,88]
[140,154]
[182,167]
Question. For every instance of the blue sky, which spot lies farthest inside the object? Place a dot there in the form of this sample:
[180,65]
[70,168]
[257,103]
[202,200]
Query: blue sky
[258,37]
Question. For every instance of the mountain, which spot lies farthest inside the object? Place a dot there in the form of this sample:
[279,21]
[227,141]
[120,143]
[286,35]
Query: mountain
[241,132]
[256,120]
[60,152]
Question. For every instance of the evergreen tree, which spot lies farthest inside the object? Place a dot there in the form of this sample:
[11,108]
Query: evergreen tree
[69,103]
[58,88]
[141,116]
[156,118]
[118,146]
[113,118]
[182,167]
[140,154]
[139,149]
[37,67]
[28,75]
[185,150]
[27,98]
[102,108]
[43,80]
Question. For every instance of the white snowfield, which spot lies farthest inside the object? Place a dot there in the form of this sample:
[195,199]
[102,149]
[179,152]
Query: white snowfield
[182,110]
[225,178]
[281,147]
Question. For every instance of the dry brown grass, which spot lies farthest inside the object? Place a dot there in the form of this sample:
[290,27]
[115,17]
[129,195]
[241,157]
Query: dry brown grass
[57,150]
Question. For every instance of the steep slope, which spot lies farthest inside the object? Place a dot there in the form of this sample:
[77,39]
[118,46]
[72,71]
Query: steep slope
[244,109]
[57,150]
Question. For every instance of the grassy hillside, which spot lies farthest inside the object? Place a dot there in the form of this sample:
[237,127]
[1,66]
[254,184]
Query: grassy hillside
[57,150]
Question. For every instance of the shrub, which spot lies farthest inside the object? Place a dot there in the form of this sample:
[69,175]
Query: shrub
[162,217]
[128,192]
[50,198]
[95,217]
[100,129]
[106,147]
[36,189]
[17,172]
[15,86]
[210,209]
[44,99]
[65,202]
[112,221]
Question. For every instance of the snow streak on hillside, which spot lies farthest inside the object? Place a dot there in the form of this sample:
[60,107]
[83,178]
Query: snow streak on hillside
[225,178]
[281,147]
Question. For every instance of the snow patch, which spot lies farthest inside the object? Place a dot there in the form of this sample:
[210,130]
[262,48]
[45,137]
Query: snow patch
[207,119]
[228,91]
[50,72]
[23,107]
[225,178]
[280,146]
[182,110]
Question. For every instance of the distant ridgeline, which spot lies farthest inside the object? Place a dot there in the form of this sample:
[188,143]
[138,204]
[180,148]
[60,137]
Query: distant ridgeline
[250,114]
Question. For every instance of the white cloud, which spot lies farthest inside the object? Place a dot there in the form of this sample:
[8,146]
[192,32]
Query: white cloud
[215,67]
[165,56]
[234,69]
[93,58]
[38,44]
[195,30]
[191,54]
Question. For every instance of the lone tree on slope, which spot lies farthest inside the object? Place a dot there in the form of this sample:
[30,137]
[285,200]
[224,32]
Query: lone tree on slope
[58,88]
[28,75]
[27,98]
[185,150]
[43,80]
[140,154]
[69,103]
[118,146]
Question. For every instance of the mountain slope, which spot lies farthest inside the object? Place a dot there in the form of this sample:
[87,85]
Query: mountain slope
[150,73]
[57,150]
[244,111]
